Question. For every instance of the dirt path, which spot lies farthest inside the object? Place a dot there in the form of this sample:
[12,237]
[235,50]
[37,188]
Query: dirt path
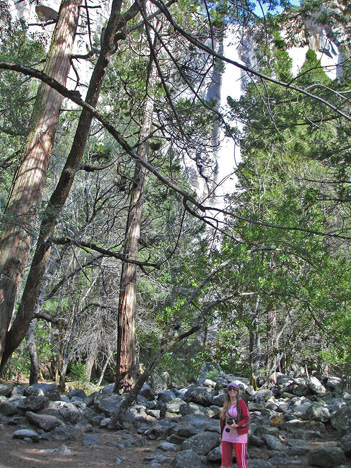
[112,450]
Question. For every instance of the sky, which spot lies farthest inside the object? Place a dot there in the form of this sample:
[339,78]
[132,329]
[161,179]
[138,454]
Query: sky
[258,10]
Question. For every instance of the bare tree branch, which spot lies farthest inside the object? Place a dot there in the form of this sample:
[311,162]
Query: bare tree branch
[105,252]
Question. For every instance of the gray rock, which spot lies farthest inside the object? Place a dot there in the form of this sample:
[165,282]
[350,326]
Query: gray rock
[166,396]
[9,408]
[334,383]
[302,389]
[91,416]
[33,403]
[318,412]
[51,391]
[185,431]
[105,422]
[174,405]
[306,435]
[298,451]
[256,441]
[280,461]
[107,404]
[77,393]
[62,433]
[147,392]
[273,442]
[316,386]
[340,420]
[296,424]
[167,447]
[91,440]
[33,391]
[259,464]
[215,455]
[298,443]
[25,434]
[160,429]
[218,400]
[199,395]
[299,407]
[6,390]
[200,422]
[44,421]
[63,450]
[156,414]
[326,456]
[108,389]
[160,460]
[192,408]
[68,412]
[201,443]
[264,395]
[284,380]
[187,459]
[209,383]
[346,444]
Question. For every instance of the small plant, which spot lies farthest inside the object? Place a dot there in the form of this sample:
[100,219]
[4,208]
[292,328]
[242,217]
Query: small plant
[78,372]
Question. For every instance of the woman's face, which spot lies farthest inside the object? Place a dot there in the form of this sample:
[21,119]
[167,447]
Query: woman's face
[232,392]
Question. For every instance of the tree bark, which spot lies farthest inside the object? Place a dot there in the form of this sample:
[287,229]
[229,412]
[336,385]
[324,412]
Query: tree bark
[24,201]
[42,253]
[126,341]
[32,349]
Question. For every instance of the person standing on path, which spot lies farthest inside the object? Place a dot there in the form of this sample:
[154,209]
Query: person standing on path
[235,419]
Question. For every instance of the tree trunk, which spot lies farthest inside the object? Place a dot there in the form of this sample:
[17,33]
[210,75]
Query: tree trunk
[91,358]
[102,375]
[42,253]
[271,345]
[24,201]
[32,349]
[126,342]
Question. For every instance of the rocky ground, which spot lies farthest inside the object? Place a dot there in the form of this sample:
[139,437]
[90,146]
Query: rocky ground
[300,423]
[111,450]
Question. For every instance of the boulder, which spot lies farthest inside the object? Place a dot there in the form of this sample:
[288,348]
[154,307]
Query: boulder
[6,390]
[187,459]
[147,393]
[166,396]
[273,442]
[340,420]
[63,433]
[26,434]
[51,391]
[46,422]
[33,403]
[201,443]
[316,386]
[346,445]
[318,412]
[199,395]
[77,393]
[9,408]
[326,456]
[107,404]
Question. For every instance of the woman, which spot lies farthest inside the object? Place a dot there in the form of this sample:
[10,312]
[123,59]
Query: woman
[234,433]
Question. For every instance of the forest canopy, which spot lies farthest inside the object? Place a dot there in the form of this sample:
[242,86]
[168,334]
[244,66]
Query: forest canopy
[119,251]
